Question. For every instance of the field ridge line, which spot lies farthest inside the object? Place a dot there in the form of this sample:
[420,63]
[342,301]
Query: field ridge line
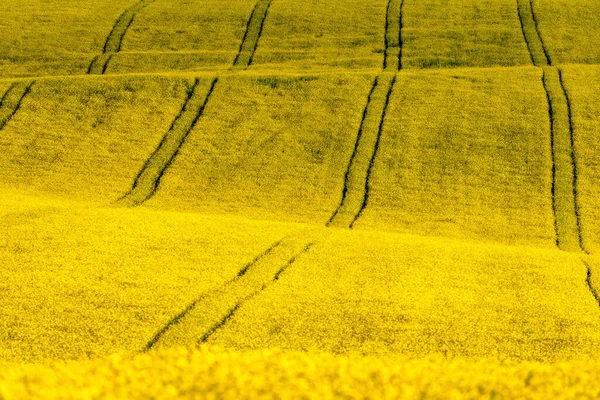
[148,179]
[114,40]
[12,99]
[252,35]
[531,33]
[210,311]
[564,192]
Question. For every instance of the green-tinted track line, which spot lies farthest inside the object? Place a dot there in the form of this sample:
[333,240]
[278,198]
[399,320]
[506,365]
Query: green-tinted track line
[203,317]
[355,193]
[531,33]
[564,174]
[148,179]
[12,99]
[393,35]
[114,41]
[252,35]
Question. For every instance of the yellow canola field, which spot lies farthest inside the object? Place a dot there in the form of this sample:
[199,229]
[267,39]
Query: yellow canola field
[316,34]
[374,293]
[183,35]
[79,282]
[455,33]
[214,373]
[465,153]
[41,37]
[269,147]
[570,30]
[87,138]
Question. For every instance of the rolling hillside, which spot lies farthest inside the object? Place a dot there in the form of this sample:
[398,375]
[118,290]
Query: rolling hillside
[374,198]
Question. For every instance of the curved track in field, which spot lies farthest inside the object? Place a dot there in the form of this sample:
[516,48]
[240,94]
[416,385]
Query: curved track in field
[254,29]
[114,41]
[148,179]
[212,310]
[355,192]
[11,101]
[567,218]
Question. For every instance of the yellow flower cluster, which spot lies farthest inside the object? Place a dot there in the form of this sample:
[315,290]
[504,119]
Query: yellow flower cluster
[212,373]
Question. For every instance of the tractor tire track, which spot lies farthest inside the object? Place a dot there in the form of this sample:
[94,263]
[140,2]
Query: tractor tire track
[531,33]
[573,162]
[148,179]
[114,41]
[11,100]
[564,174]
[357,178]
[252,35]
[565,202]
[393,36]
[211,311]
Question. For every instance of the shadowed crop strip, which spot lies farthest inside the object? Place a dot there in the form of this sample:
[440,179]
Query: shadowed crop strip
[177,318]
[374,156]
[252,35]
[148,179]
[11,101]
[114,41]
[531,33]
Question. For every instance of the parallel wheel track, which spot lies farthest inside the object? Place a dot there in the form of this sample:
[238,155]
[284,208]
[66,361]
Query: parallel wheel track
[357,179]
[114,41]
[567,216]
[252,35]
[11,100]
[211,311]
[148,179]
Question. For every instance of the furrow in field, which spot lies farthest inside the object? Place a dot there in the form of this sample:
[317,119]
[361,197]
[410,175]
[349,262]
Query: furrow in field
[531,33]
[393,35]
[12,99]
[591,287]
[203,317]
[148,179]
[564,171]
[114,41]
[254,29]
[355,193]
